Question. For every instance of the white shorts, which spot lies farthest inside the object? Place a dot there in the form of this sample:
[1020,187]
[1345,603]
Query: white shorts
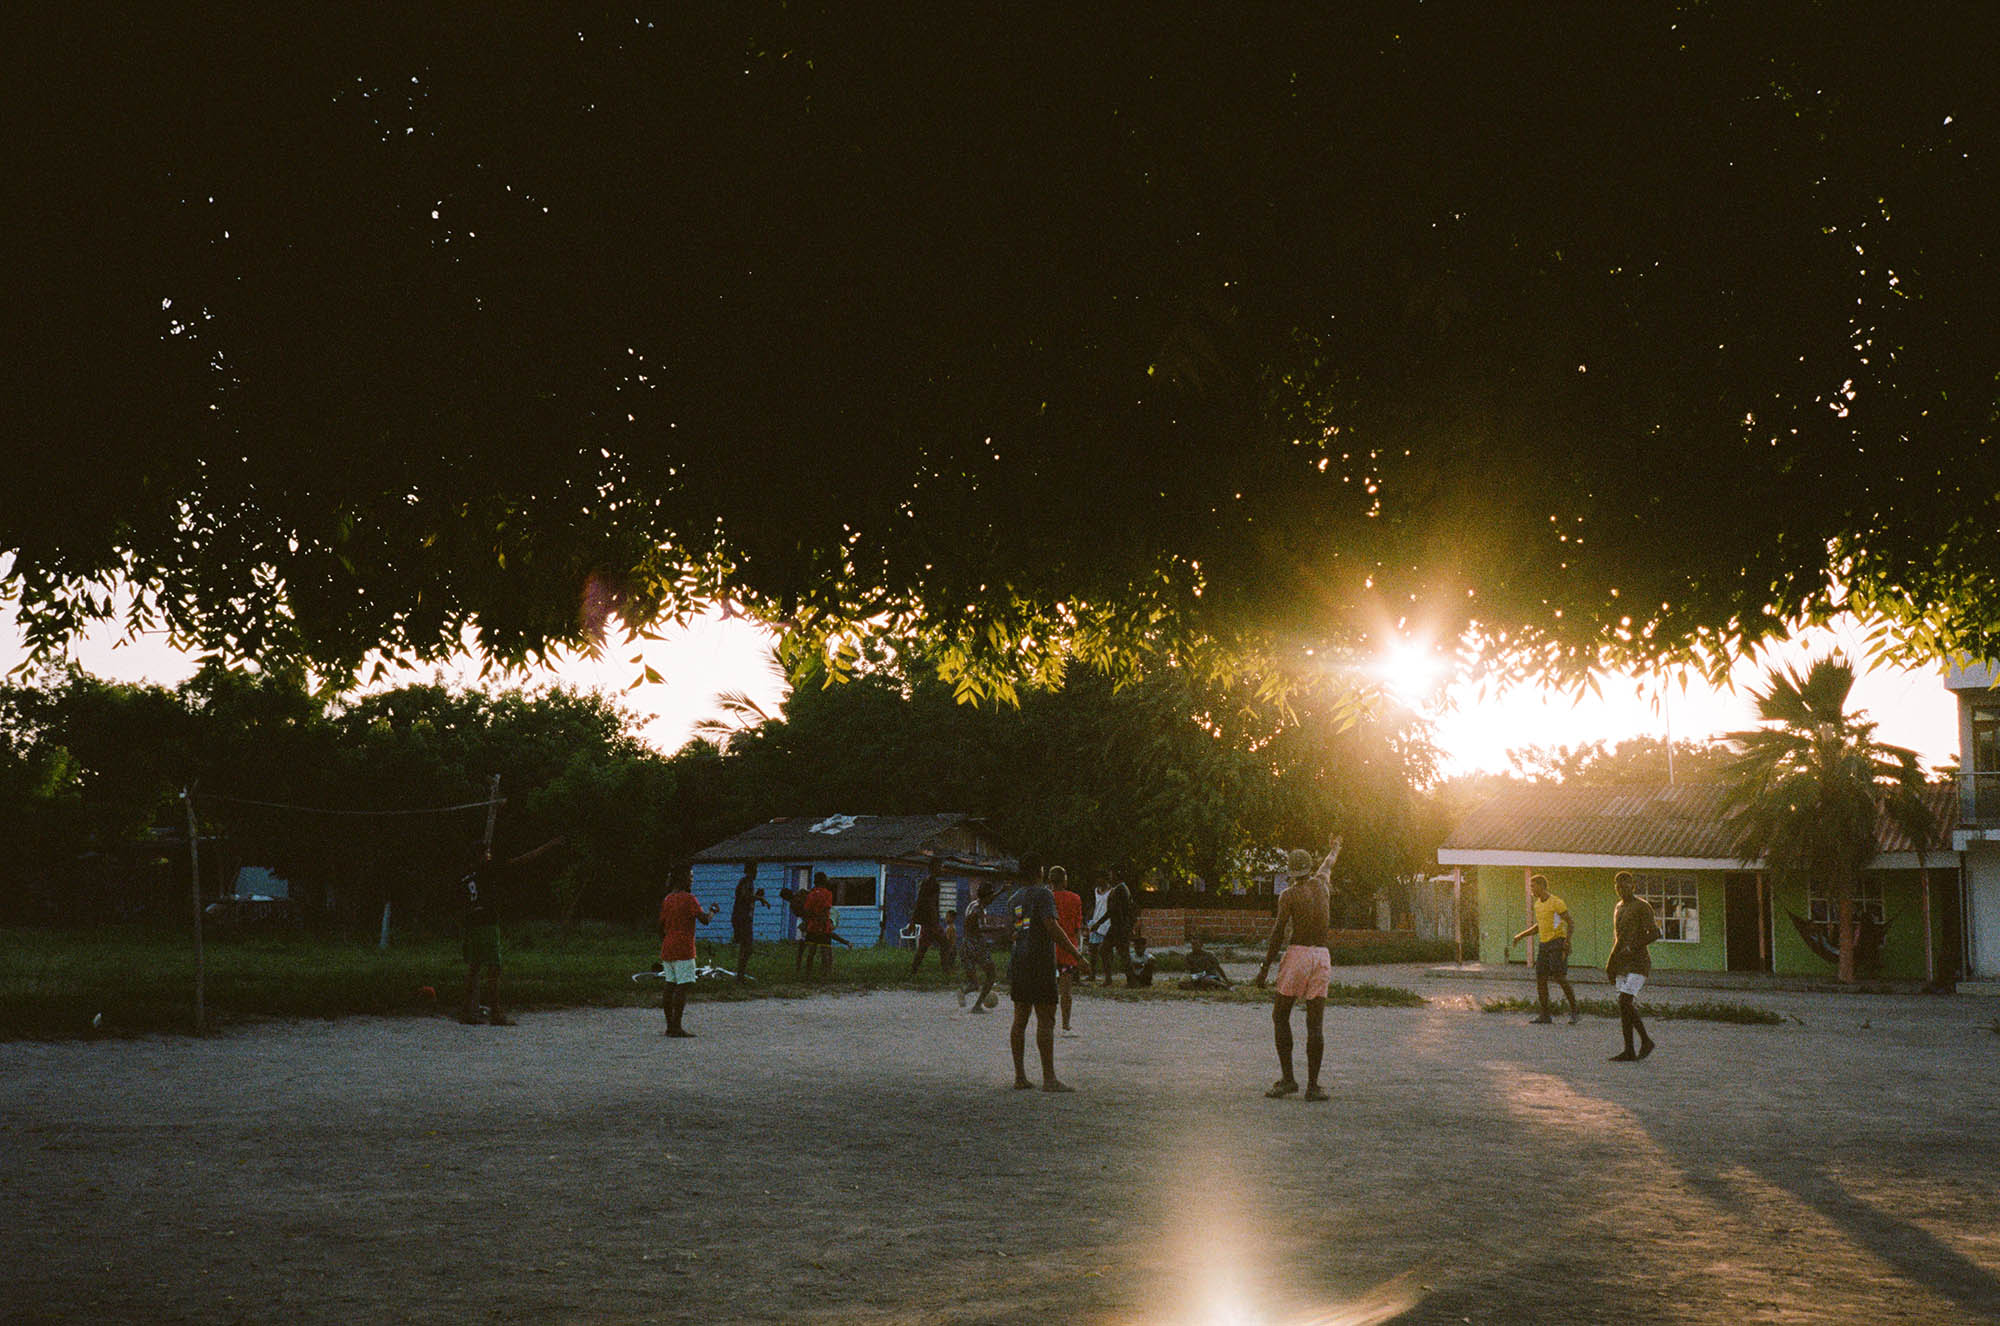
[1630,983]
[678,972]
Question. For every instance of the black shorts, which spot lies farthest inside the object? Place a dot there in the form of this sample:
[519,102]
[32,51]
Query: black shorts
[1552,959]
[1033,982]
[742,930]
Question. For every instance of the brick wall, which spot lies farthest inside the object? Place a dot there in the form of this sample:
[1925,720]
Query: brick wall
[1169,927]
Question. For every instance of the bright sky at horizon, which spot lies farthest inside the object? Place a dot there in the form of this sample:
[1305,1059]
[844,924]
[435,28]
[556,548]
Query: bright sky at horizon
[1476,726]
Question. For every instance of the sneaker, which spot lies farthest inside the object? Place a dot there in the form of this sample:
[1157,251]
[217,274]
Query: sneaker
[1542,1021]
[1572,1019]
[499,1019]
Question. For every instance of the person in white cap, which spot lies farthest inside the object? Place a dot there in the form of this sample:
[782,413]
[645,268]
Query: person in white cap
[1304,910]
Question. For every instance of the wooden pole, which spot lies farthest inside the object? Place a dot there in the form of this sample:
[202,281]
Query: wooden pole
[1458,914]
[194,871]
[492,809]
[1930,943]
[1764,929]
[1528,901]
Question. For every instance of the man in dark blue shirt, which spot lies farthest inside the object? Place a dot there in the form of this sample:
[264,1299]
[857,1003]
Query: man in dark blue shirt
[743,916]
[1031,974]
[924,916]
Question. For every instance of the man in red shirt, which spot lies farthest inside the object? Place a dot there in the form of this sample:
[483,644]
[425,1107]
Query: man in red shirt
[1069,915]
[816,920]
[680,910]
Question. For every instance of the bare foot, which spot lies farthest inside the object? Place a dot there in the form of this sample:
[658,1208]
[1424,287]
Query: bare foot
[1284,1086]
[1023,1084]
[1645,1049]
[1315,1092]
[1053,1085]
[1624,1057]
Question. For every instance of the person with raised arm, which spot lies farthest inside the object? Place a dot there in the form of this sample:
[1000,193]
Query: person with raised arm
[1304,916]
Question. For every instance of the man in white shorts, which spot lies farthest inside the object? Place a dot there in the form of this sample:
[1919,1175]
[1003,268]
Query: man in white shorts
[1633,929]
[1306,971]
[680,912]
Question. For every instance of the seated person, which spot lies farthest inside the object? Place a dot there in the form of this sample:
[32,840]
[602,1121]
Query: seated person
[1204,969]
[1141,970]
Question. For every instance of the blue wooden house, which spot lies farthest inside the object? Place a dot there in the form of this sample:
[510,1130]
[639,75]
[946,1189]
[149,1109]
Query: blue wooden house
[873,862]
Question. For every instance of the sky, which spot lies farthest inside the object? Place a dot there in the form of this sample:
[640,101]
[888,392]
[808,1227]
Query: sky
[1476,726]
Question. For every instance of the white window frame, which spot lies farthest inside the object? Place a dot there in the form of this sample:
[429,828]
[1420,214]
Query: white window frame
[873,880]
[1663,889]
[1868,903]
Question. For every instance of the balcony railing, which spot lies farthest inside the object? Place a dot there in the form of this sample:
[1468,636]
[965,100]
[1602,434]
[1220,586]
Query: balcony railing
[1979,798]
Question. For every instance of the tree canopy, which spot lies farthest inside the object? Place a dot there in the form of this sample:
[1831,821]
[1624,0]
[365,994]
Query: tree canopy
[1164,779]
[1602,333]
[284,778]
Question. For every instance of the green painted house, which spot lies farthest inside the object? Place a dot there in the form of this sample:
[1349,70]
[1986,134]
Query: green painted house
[1719,913]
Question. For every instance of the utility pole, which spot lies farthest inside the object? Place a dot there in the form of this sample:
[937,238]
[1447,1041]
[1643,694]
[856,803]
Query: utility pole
[194,870]
[492,808]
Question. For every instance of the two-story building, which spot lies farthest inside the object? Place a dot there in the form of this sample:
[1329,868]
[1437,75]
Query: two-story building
[1977,836]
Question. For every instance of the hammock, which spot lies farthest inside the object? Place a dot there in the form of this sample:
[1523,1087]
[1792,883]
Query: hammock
[1824,939]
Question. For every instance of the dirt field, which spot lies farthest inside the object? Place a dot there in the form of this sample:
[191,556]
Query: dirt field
[863,1159]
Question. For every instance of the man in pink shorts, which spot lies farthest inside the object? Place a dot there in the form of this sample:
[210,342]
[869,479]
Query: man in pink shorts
[1306,970]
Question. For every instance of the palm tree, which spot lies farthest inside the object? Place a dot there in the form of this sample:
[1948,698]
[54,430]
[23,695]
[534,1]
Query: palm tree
[1808,790]
[735,713]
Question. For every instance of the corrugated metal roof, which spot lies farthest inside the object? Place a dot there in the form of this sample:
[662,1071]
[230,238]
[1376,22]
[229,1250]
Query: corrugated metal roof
[1641,819]
[837,837]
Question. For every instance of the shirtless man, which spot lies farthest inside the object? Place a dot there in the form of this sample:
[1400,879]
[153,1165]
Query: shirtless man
[1304,974]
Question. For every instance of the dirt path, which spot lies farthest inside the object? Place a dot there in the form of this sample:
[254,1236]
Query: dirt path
[862,1159]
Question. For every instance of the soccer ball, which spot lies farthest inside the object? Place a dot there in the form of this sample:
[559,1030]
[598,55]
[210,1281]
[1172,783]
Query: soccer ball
[992,1001]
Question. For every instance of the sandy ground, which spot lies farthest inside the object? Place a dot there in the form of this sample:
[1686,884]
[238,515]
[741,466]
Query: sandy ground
[862,1158]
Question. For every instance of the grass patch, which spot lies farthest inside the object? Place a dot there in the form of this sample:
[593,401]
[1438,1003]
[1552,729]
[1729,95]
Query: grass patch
[52,983]
[1698,1011]
[1337,995]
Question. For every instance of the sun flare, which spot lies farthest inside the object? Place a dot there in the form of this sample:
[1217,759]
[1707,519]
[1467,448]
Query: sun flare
[1412,670]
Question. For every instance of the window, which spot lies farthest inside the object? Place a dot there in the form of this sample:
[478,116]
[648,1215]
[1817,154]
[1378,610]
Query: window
[1821,909]
[852,890]
[1984,775]
[1676,905]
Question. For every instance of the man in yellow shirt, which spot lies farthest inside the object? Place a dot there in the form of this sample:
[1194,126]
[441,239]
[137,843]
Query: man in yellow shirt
[1552,929]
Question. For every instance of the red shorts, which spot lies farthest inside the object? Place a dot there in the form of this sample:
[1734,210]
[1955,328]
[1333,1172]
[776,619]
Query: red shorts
[1304,972]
